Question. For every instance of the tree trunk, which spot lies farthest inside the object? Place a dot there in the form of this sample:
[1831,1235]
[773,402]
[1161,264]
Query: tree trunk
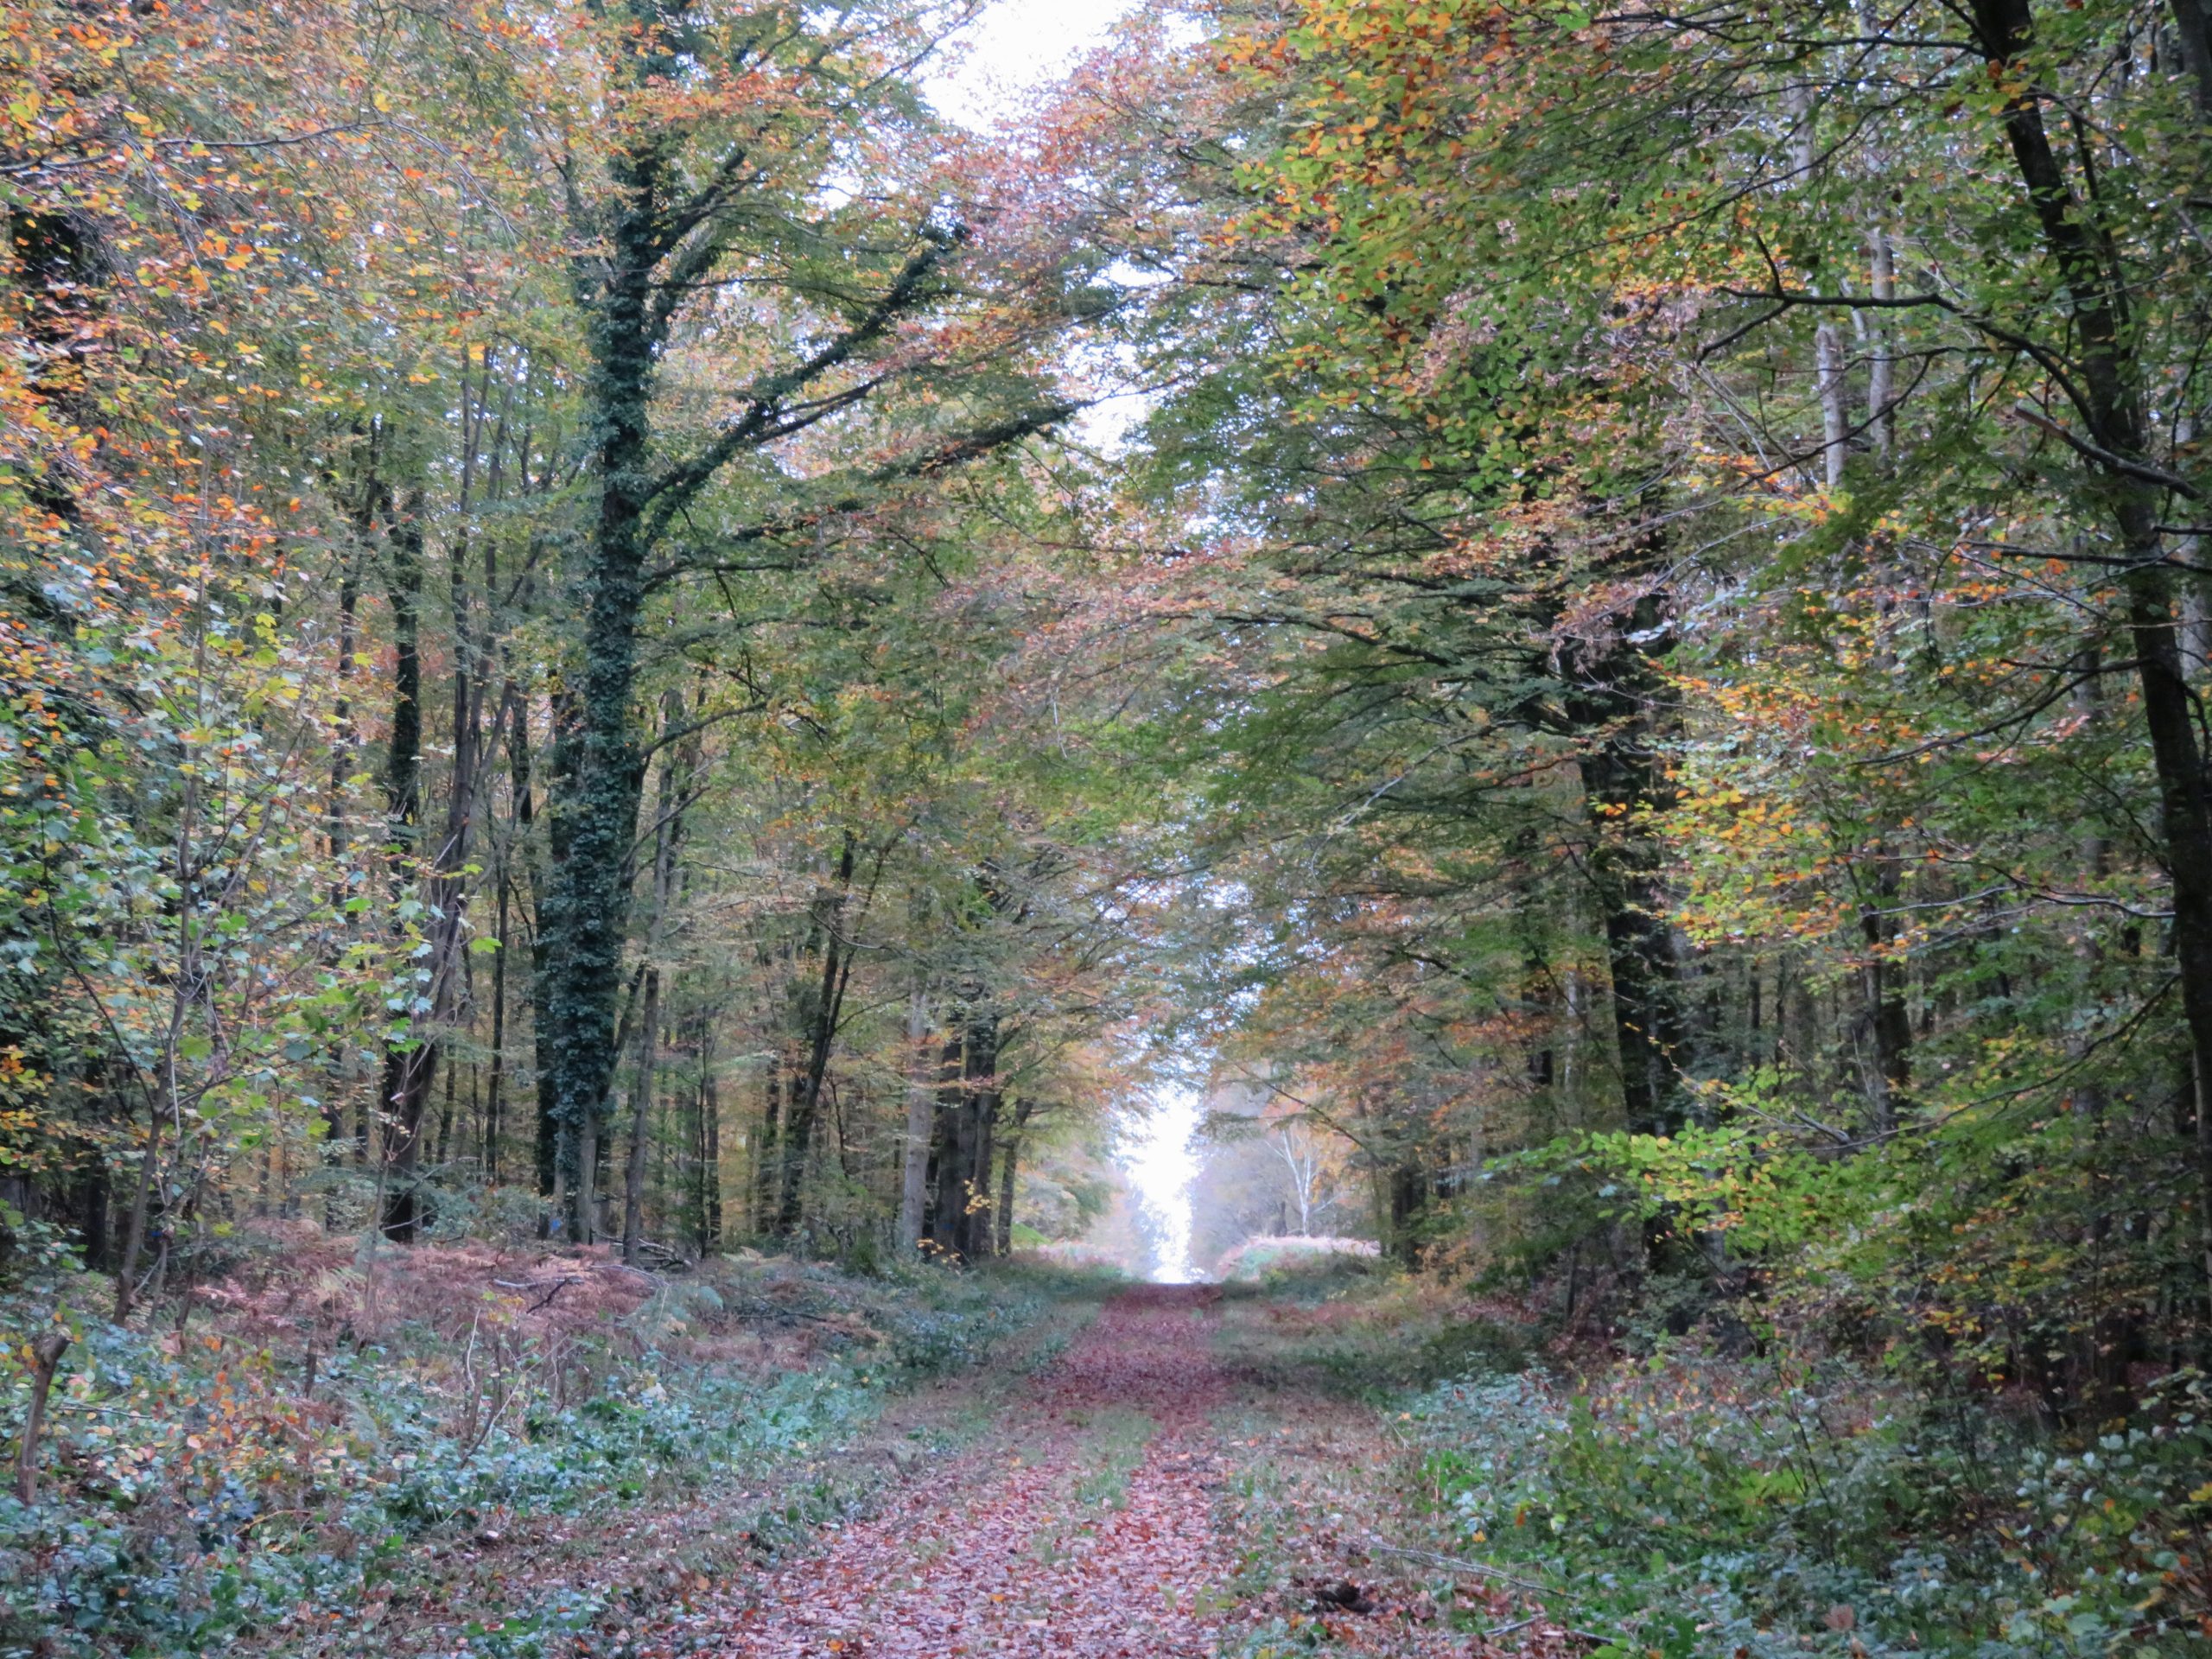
[2193,24]
[596,799]
[1621,782]
[134,1237]
[819,1032]
[495,1084]
[969,1178]
[336,822]
[946,1160]
[767,1157]
[641,1097]
[667,830]
[709,1228]
[46,1351]
[921,1114]
[1003,1240]
[410,1065]
[1836,424]
[2111,383]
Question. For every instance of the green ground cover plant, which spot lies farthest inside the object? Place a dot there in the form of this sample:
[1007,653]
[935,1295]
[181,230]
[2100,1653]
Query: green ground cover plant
[206,1486]
[1688,1505]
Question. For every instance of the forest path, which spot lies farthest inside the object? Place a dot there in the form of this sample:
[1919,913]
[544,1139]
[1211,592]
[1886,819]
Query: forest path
[1083,1543]
[1112,1514]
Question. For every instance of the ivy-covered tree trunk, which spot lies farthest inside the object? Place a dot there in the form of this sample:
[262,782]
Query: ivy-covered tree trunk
[596,801]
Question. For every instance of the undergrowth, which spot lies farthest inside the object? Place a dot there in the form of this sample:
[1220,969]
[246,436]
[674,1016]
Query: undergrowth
[1689,1505]
[1694,1506]
[267,1476]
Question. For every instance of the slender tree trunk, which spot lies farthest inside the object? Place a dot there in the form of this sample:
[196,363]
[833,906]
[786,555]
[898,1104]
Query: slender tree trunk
[555,1180]
[819,1035]
[2111,382]
[410,1065]
[668,823]
[1002,1243]
[921,1114]
[495,1084]
[336,820]
[641,1098]
[134,1235]
[46,1350]
[710,1112]
[767,1160]
[1836,422]
[1881,371]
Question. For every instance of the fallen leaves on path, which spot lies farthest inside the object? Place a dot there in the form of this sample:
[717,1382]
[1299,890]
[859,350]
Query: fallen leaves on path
[1099,1522]
[1022,1566]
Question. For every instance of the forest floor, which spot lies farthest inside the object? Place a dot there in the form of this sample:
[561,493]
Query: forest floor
[1164,1487]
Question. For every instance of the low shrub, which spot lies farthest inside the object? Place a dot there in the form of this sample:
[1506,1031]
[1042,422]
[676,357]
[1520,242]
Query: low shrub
[1701,1508]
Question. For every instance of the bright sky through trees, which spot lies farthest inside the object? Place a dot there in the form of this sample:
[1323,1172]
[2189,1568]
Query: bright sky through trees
[1011,49]
[1155,1151]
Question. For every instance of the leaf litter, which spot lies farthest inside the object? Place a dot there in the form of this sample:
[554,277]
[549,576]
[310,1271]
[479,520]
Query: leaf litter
[1026,1547]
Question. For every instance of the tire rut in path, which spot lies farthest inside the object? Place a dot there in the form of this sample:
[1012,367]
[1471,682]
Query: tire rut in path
[1020,1566]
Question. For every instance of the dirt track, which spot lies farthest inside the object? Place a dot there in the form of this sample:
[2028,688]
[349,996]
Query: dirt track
[1025,1565]
[1108,1521]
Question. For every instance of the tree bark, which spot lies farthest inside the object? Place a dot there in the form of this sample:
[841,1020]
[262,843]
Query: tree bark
[641,1098]
[2193,24]
[2110,386]
[710,1142]
[821,1010]
[921,1114]
[410,1065]
[667,831]
[588,906]
[946,1160]
[134,1237]
[1621,781]
[1003,1238]
[46,1348]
